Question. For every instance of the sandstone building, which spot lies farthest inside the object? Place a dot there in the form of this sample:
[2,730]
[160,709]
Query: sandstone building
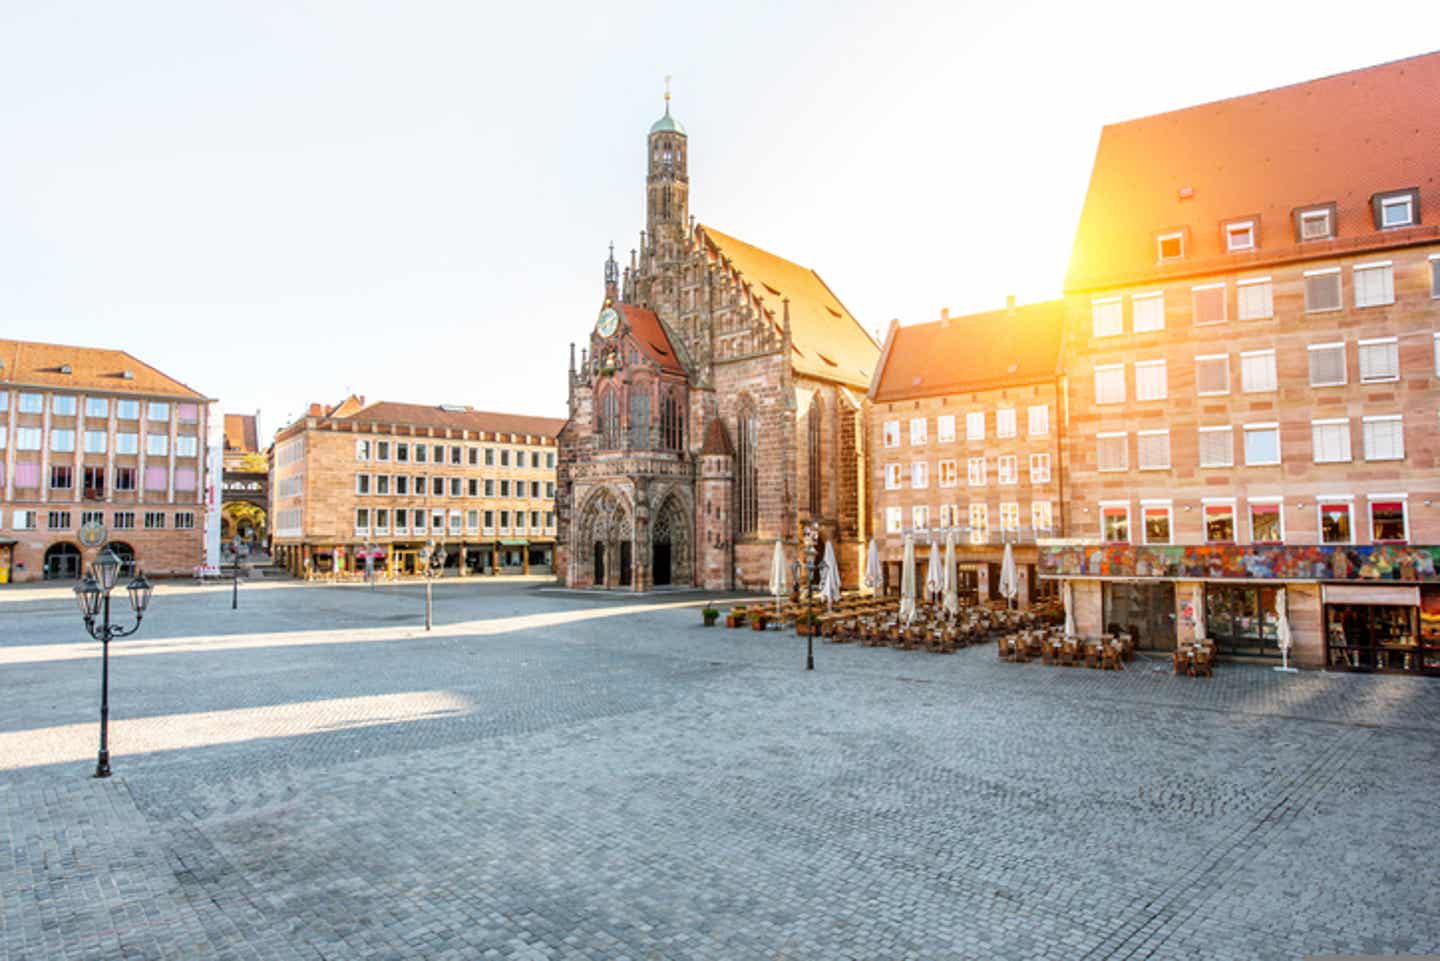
[718,406]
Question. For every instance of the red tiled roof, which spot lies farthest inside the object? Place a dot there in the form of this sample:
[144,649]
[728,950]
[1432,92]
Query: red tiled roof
[1338,139]
[241,434]
[974,352]
[95,368]
[650,336]
[421,415]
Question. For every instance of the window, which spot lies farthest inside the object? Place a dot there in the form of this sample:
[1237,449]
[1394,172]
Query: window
[1156,521]
[1010,518]
[1041,517]
[185,520]
[26,520]
[1107,317]
[550,456]
[1262,444]
[894,520]
[1170,246]
[58,521]
[32,403]
[472,521]
[27,474]
[489,487]
[1220,523]
[1387,518]
[747,466]
[920,517]
[1257,371]
[1379,360]
[1267,522]
[382,484]
[917,431]
[155,478]
[1327,365]
[438,455]
[422,454]
[456,487]
[1148,312]
[362,520]
[1434,288]
[437,486]
[1240,235]
[93,481]
[457,457]
[549,520]
[550,489]
[1254,299]
[945,429]
[63,405]
[1151,380]
[975,425]
[382,450]
[1322,290]
[127,409]
[1152,449]
[1212,374]
[157,445]
[979,523]
[1330,440]
[891,433]
[27,438]
[456,521]
[639,426]
[1039,468]
[472,456]
[417,521]
[402,453]
[1315,224]
[402,485]
[1115,523]
[472,487]
[1384,437]
[123,520]
[1395,210]
[947,517]
[1110,450]
[186,446]
[814,446]
[920,474]
[489,457]
[949,476]
[154,521]
[187,413]
[1039,420]
[4,436]
[1217,449]
[62,441]
[1374,284]
[437,521]
[1006,469]
[362,483]
[94,442]
[975,471]
[1110,384]
[489,519]
[4,400]
[61,478]
[1005,422]
[124,478]
[1209,304]
[157,410]
[184,478]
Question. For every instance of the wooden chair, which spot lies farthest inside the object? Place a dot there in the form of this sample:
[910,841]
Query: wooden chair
[1113,658]
[1003,643]
[1092,655]
[1181,661]
[1204,664]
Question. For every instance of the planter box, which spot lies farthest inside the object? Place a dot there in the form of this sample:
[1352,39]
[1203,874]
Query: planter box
[757,621]
[735,620]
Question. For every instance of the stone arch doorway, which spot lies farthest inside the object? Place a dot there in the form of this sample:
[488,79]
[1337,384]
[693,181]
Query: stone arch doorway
[607,527]
[62,562]
[598,562]
[670,544]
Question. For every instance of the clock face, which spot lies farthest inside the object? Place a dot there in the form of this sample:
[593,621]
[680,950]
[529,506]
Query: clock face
[608,322]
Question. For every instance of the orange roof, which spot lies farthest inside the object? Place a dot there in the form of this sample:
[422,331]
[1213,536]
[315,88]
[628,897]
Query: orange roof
[1339,139]
[241,433]
[456,418]
[31,364]
[650,336]
[974,352]
[828,342]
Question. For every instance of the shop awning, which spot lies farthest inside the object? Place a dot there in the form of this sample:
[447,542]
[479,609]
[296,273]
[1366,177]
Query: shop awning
[1367,594]
[517,542]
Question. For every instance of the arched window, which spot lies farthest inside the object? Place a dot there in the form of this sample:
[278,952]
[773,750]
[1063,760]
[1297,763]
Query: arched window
[747,468]
[672,422]
[639,416]
[609,419]
[815,418]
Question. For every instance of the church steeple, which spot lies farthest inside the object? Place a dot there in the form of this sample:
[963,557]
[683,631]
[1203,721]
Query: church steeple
[667,201]
[612,276]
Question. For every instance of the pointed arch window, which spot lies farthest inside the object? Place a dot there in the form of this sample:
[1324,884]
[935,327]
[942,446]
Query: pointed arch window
[747,468]
[609,420]
[639,417]
[672,421]
[814,421]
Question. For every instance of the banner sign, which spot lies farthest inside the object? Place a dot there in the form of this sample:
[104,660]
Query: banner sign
[1382,562]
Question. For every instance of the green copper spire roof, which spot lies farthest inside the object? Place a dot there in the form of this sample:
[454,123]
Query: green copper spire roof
[667,123]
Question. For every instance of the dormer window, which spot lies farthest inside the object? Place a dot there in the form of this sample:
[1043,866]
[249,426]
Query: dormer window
[1315,223]
[1240,235]
[1399,208]
[1170,246]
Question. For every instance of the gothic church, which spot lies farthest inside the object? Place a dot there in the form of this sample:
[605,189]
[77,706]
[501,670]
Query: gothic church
[717,408]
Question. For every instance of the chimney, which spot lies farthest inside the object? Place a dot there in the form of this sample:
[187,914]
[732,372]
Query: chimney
[316,410]
[1010,304]
[944,317]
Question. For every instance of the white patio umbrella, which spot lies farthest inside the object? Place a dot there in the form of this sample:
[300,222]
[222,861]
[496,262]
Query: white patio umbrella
[1009,576]
[1282,632]
[779,585]
[907,581]
[934,576]
[1069,609]
[1199,601]
[873,575]
[952,577]
[830,577]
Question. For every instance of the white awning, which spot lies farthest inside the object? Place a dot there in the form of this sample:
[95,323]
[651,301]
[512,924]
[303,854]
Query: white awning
[1366,594]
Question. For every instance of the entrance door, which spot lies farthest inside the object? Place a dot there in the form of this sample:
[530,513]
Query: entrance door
[660,563]
[1146,611]
[599,564]
[625,579]
[1242,620]
[62,562]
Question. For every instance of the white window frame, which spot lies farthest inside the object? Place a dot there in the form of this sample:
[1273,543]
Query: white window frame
[1010,524]
[1408,200]
[1365,435]
[1318,212]
[1148,365]
[1129,526]
[923,434]
[1036,509]
[889,434]
[975,472]
[1229,431]
[894,520]
[1370,500]
[1124,451]
[979,532]
[1251,502]
[1236,226]
[975,425]
[1152,503]
[1349,501]
[1206,502]
[1002,429]
[1004,476]
[940,473]
[1108,330]
[1266,308]
[1434,261]
[1139,461]
[1109,369]
[1340,293]
[362,449]
[1344,424]
[894,475]
[1212,393]
[1344,364]
[1224,304]
[1386,270]
[1274,383]
[1380,342]
[1038,418]
[920,517]
[1248,429]
[1136,312]
[1042,461]
[919,475]
[945,429]
[1160,257]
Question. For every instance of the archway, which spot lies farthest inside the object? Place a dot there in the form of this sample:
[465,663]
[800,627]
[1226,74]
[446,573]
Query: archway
[599,562]
[62,562]
[670,544]
[246,521]
[126,553]
[606,526]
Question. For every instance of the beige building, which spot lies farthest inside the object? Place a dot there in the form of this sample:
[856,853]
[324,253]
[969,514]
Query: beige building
[383,480]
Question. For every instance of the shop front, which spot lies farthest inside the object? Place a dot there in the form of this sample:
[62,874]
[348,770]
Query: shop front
[7,558]
[1382,628]
[1145,611]
[1243,621]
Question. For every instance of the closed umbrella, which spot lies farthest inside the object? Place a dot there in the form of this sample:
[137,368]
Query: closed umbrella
[907,581]
[778,584]
[873,575]
[934,577]
[1199,601]
[952,577]
[1069,609]
[830,577]
[1009,576]
[1282,632]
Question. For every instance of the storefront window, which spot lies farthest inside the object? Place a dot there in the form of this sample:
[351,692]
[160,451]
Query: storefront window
[1373,637]
[1265,524]
[1335,522]
[1157,525]
[1387,521]
[1243,620]
[1430,630]
[1220,523]
[1144,611]
[1115,525]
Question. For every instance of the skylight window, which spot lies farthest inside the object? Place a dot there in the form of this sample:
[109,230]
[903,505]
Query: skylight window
[1240,235]
[1398,208]
[1171,246]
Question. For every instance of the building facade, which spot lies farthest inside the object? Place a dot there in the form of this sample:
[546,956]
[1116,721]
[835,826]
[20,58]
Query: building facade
[381,481]
[97,449]
[245,487]
[718,406]
[1253,350]
[966,422]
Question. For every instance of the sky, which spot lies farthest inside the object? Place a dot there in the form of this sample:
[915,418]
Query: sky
[280,203]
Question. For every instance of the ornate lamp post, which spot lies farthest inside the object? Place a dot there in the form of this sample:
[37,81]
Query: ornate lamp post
[93,596]
[811,534]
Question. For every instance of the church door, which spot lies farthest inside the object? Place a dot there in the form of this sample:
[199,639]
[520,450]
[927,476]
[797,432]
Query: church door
[599,564]
[661,563]
[625,574]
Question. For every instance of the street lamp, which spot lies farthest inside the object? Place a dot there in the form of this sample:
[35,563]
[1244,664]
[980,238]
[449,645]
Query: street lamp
[432,559]
[811,535]
[92,594]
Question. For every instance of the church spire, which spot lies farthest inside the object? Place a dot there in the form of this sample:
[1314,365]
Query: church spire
[612,276]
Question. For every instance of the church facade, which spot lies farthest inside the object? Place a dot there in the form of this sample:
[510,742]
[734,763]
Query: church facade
[717,407]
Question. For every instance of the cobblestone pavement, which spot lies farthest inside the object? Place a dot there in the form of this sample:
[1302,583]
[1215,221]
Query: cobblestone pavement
[546,776]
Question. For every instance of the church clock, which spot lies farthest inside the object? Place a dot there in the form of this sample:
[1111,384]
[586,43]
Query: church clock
[608,322]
